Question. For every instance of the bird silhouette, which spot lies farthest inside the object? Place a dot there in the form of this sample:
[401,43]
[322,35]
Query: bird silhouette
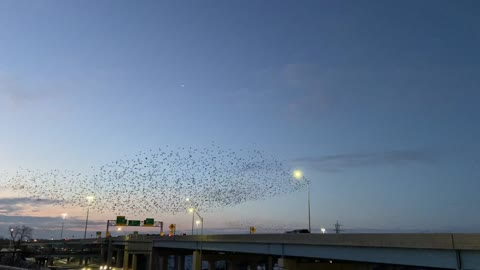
[158,181]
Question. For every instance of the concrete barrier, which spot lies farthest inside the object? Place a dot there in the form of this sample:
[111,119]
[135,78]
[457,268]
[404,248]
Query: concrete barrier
[421,241]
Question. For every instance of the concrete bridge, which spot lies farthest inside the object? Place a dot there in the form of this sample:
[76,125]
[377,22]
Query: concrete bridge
[280,251]
[322,251]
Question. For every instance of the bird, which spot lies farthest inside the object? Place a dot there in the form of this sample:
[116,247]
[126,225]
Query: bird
[157,180]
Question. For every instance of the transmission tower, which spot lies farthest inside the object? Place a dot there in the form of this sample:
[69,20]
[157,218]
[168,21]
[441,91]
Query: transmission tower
[337,227]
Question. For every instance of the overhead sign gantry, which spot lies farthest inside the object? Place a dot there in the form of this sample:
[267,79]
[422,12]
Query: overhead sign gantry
[122,221]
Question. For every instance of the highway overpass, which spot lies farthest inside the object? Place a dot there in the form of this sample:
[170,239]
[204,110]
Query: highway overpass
[286,251]
[323,251]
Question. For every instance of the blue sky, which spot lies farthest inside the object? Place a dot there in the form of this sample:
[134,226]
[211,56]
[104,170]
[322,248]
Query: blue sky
[377,101]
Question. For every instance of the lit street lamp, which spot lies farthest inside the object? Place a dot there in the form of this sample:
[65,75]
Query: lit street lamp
[197,223]
[191,210]
[64,215]
[195,212]
[89,199]
[11,238]
[299,176]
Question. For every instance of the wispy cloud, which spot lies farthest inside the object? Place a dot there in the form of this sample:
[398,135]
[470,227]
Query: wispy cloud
[302,84]
[17,205]
[293,89]
[15,91]
[46,227]
[338,162]
[44,220]
[26,200]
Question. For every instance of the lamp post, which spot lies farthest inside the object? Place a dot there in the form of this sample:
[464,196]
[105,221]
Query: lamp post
[191,210]
[197,223]
[299,176]
[64,215]
[195,212]
[89,200]
[11,238]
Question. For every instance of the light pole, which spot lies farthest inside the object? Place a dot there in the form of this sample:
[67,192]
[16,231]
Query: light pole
[89,199]
[64,215]
[11,238]
[195,212]
[197,223]
[299,176]
[191,210]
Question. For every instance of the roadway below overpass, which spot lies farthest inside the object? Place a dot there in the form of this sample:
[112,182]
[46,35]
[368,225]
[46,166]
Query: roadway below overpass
[321,251]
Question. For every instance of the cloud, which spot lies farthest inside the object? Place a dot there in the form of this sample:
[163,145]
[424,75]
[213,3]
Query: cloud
[294,90]
[17,205]
[26,200]
[293,79]
[17,93]
[301,86]
[45,220]
[46,227]
[333,163]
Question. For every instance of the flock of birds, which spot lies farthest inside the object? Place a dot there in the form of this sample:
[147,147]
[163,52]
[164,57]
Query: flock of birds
[159,181]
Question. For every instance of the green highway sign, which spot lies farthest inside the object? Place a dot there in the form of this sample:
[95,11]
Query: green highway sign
[134,223]
[121,221]
[148,222]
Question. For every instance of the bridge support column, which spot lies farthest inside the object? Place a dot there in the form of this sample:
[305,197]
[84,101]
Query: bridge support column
[134,261]
[288,264]
[231,265]
[103,255]
[211,264]
[179,262]
[125,259]
[118,258]
[109,252]
[164,265]
[156,260]
[270,263]
[196,261]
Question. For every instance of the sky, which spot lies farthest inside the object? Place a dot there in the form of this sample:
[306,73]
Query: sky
[376,101]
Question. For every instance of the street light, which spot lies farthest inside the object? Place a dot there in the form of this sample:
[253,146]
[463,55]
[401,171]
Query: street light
[299,176]
[191,210]
[89,200]
[197,222]
[195,212]
[11,238]
[64,215]
[323,230]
